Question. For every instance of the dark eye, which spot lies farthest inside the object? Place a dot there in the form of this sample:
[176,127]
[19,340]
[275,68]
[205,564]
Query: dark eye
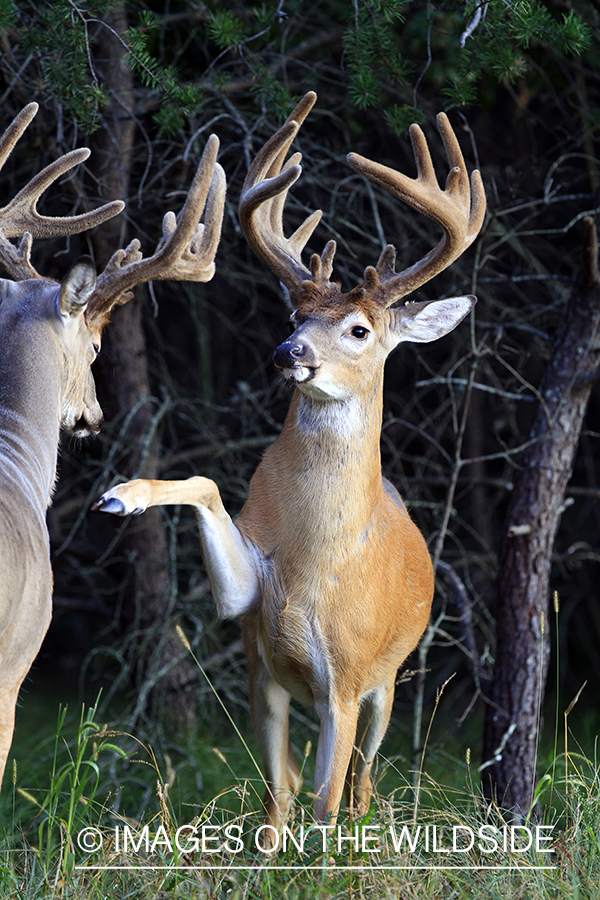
[359,332]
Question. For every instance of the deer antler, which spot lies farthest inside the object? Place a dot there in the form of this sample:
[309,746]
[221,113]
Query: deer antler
[261,207]
[459,209]
[20,217]
[188,248]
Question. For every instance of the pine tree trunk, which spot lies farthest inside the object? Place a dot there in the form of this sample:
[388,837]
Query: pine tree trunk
[145,585]
[513,715]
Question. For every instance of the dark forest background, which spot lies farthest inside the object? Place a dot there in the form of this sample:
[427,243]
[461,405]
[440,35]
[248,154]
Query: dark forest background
[185,375]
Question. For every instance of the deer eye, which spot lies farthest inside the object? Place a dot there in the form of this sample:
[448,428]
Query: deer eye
[359,332]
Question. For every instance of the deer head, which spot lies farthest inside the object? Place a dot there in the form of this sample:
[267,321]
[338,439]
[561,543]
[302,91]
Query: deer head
[339,337]
[75,312]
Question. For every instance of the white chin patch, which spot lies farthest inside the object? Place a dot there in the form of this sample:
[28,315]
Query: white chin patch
[298,374]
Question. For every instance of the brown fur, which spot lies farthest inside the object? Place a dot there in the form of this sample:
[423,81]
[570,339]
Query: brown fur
[331,578]
[331,304]
[347,559]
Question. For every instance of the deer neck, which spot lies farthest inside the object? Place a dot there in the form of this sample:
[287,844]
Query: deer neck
[30,391]
[317,496]
[331,456]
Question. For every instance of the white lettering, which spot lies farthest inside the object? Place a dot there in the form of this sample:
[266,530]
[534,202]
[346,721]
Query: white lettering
[161,839]
[513,835]
[369,838]
[239,844]
[324,830]
[144,836]
[259,833]
[286,833]
[208,839]
[435,847]
[348,837]
[489,838]
[455,830]
[192,844]
[540,837]
[405,834]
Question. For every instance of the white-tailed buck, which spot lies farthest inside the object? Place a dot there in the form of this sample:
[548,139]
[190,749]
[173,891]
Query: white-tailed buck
[49,337]
[331,578]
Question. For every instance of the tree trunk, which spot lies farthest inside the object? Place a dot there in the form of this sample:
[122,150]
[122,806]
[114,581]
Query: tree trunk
[513,716]
[146,599]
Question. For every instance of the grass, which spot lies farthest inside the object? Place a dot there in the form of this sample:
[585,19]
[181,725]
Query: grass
[96,796]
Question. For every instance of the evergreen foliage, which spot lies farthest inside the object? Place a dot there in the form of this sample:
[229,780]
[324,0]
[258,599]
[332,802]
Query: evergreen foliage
[502,39]
[176,101]
[57,33]
[380,45]
[372,51]
[8,14]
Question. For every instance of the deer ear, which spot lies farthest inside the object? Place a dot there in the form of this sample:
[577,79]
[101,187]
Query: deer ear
[429,320]
[77,287]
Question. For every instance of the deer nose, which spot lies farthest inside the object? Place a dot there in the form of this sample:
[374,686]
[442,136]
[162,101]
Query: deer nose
[289,354]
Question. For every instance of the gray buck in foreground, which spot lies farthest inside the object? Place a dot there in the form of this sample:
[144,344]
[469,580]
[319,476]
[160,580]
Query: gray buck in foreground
[49,337]
[331,578]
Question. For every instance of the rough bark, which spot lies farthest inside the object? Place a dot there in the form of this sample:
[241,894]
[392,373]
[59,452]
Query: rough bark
[543,472]
[145,597]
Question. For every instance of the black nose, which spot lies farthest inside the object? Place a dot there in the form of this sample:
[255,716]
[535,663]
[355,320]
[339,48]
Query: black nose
[288,354]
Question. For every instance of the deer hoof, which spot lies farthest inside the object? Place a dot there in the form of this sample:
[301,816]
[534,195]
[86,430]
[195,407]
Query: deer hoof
[115,506]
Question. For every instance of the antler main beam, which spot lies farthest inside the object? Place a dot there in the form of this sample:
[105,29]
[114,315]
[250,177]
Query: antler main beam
[459,209]
[188,249]
[261,208]
[20,217]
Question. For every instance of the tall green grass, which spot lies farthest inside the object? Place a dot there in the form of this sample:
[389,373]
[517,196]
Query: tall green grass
[90,782]
[98,813]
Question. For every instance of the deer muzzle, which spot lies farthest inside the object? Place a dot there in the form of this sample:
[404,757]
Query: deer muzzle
[294,353]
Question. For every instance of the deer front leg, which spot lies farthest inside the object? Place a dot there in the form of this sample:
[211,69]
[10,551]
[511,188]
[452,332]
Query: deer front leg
[334,751]
[231,561]
[269,706]
[8,703]
[373,721]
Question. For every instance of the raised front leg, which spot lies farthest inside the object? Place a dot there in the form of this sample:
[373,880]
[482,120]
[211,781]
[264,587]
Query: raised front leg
[231,561]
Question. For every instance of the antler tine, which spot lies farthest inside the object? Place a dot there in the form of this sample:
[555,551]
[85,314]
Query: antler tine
[188,248]
[459,209]
[15,130]
[20,217]
[270,158]
[263,198]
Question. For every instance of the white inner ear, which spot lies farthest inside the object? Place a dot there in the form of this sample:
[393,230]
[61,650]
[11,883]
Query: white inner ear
[77,288]
[433,320]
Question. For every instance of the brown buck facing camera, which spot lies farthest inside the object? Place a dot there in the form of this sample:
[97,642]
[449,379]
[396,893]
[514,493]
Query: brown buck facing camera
[330,577]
